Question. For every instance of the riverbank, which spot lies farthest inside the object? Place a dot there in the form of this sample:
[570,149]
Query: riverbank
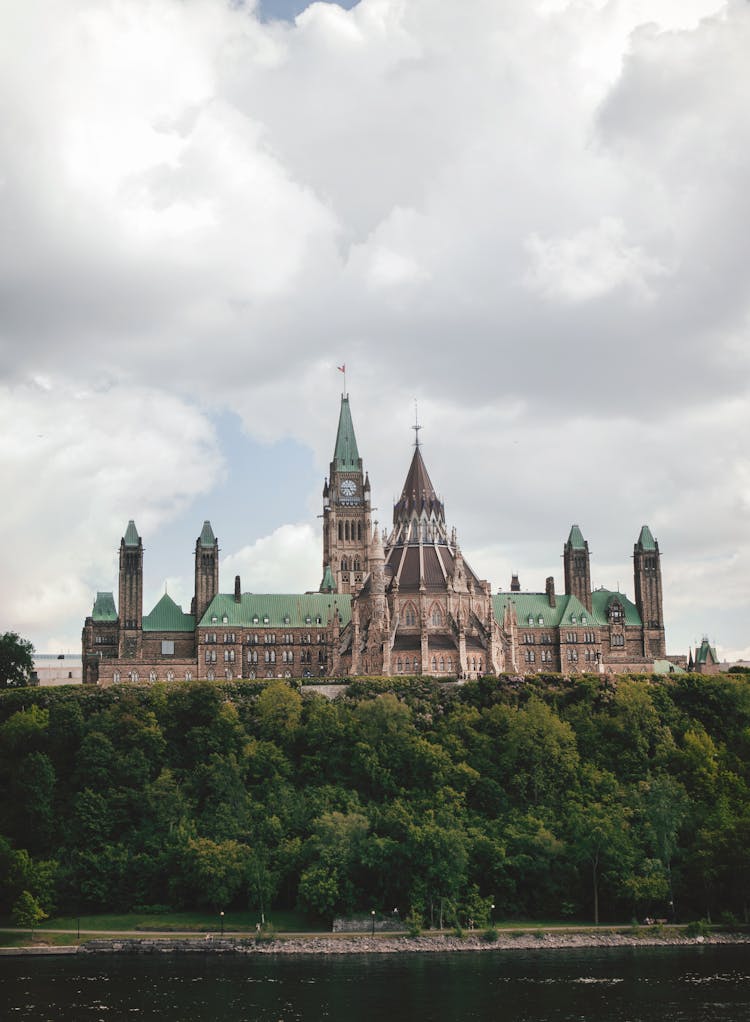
[351,945]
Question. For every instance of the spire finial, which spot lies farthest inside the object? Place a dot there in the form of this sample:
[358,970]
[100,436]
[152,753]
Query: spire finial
[416,427]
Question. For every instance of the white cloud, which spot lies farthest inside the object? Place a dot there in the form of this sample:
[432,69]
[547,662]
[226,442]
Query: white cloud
[287,561]
[530,216]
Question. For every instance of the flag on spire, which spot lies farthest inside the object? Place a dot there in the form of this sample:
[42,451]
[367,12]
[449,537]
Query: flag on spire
[342,369]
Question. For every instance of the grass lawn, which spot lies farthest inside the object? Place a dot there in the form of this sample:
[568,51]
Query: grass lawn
[199,922]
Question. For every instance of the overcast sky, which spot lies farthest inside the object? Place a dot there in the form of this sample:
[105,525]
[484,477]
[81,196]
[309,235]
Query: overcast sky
[531,217]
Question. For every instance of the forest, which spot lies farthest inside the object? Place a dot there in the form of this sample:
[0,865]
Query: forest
[586,799]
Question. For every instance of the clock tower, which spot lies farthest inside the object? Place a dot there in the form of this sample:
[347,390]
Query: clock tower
[347,523]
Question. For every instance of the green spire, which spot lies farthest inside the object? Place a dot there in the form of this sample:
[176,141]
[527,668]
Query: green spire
[646,540]
[575,539]
[346,455]
[104,607]
[328,585]
[131,537]
[207,538]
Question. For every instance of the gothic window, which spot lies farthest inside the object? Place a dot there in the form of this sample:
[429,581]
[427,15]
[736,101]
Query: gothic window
[321,656]
[357,565]
[152,675]
[347,533]
[615,612]
[434,664]
[449,664]
[210,675]
[618,640]
[251,675]
[572,656]
[252,656]
[344,564]
[410,615]
[530,656]
[571,637]
[437,616]
[442,663]
[188,675]
[481,666]
[359,530]
[170,675]
[341,530]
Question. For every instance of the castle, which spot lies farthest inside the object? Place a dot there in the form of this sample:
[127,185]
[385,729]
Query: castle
[406,602]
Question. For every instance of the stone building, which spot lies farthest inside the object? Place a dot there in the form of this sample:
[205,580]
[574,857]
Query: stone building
[404,602]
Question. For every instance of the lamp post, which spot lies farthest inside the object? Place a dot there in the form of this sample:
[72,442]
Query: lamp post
[492,914]
[372,916]
[222,923]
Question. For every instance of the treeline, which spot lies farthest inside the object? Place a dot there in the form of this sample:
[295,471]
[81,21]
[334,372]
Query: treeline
[579,799]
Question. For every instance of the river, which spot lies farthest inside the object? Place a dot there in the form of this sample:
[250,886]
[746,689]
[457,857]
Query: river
[685,984]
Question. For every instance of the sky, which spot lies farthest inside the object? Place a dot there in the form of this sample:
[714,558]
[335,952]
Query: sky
[532,218]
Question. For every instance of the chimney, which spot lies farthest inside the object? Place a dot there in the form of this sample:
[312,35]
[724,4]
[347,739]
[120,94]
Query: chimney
[237,589]
[515,585]
[551,591]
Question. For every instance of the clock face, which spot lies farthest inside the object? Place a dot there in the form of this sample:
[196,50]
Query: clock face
[348,488]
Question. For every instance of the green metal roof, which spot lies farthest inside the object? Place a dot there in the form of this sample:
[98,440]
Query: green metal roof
[346,455]
[646,540]
[701,655]
[575,539]
[601,599]
[104,608]
[328,585]
[207,538]
[536,605]
[167,616]
[281,610]
[131,537]
[667,667]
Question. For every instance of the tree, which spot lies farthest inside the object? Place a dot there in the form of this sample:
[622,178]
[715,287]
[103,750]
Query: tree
[16,661]
[27,912]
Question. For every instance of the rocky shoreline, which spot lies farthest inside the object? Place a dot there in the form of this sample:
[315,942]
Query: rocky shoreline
[404,945]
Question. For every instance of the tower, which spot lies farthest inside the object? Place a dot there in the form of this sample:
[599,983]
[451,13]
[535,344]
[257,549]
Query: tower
[206,570]
[577,567]
[346,512]
[648,594]
[131,593]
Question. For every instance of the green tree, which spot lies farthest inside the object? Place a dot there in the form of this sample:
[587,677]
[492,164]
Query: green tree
[16,661]
[27,912]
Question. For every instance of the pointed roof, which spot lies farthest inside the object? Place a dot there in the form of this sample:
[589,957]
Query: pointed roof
[345,455]
[646,540]
[575,539]
[207,538]
[418,493]
[131,537]
[328,585]
[706,654]
[104,608]
[167,616]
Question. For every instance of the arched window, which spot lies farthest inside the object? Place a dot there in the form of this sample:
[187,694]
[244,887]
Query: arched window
[170,675]
[437,616]
[434,664]
[449,664]
[410,615]
[210,675]
[359,530]
[347,533]
[152,675]
[344,564]
[251,675]
[188,675]
[357,565]
[116,677]
[442,663]
[399,666]
[341,530]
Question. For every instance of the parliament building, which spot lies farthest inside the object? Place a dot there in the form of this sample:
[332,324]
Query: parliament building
[400,602]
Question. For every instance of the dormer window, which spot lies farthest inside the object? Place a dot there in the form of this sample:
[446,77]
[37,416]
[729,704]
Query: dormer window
[214,619]
[541,621]
[256,619]
[225,619]
[531,620]
[286,619]
[583,619]
[308,620]
[572,619]
[265,619]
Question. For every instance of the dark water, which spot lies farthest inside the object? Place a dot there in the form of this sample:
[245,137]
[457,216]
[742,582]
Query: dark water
[619,985]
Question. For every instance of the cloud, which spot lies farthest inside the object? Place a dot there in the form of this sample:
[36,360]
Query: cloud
[287,561]
[529,216]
